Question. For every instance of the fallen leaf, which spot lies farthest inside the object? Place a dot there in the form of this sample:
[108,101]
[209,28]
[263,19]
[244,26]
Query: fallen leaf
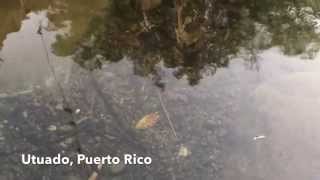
[148,121]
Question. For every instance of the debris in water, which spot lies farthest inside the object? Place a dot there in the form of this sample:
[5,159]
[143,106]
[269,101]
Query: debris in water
[167,115]
[52,128]
[77,111]
[259,137]
[67,127]
[184,151]
[82,120]
[148,121]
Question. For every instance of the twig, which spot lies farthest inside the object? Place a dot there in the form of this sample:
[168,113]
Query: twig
[167,115]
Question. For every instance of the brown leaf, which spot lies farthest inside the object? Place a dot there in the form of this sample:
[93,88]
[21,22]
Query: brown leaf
[148,121]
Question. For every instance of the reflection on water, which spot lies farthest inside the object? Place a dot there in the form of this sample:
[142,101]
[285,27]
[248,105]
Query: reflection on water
[206,38]
[13,12]
[66,22]
[197,38]
[195,42]
[60,12]
[254,67]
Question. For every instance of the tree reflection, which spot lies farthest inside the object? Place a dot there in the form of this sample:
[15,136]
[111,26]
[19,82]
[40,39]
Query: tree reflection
[209,35]
[192,37]
[76,16]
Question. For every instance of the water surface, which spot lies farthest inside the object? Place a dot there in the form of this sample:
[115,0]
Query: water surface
[243,99]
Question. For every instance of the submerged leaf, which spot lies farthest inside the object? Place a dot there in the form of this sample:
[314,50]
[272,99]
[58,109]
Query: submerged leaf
[148,121]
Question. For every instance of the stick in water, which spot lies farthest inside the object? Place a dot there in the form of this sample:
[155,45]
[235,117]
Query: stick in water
[167,115]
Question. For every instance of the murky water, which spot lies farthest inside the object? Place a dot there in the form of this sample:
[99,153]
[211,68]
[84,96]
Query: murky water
[243,98]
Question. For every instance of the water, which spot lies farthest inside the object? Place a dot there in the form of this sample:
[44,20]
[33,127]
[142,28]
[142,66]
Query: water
[243,99]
